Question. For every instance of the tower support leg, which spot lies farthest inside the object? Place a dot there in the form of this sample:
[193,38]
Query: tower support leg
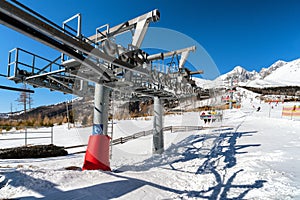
[158,137]
[97,153]
[101,105]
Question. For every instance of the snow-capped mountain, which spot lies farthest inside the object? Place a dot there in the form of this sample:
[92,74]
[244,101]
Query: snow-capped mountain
[280,73]
[239,74]
[288,74]
[267,71]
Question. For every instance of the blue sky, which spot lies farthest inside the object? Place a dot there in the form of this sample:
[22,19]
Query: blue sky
[250,33]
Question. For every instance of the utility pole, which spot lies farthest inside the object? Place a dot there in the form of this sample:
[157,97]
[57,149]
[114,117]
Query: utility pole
[231,93]
[68,120]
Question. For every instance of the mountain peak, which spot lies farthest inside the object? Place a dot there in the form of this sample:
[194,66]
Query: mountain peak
[266,71]
[278,63]
[240,74]
[238,69]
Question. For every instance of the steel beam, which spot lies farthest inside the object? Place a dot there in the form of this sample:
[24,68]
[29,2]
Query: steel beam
[197,72]
[15,89]
[51,86]
[60,37]
[26,30]
[45,74]
[151,16]
[161,56]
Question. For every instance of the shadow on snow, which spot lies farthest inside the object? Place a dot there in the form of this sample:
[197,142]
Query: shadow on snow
[216,152]
[107,190]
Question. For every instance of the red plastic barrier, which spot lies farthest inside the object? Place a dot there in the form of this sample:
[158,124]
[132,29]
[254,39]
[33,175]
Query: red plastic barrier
[97,153]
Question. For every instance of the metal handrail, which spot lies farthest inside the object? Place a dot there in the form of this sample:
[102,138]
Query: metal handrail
[122,140]
[26,132]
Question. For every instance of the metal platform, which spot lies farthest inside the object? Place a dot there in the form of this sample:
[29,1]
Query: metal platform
[24,66]
[89,58]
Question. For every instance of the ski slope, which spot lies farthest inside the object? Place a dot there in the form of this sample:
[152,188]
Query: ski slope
[254,155]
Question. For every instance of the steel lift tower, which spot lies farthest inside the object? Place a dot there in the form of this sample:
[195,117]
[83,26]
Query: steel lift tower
[99,60]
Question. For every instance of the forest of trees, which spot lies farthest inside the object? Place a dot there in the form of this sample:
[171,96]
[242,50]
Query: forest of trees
[37,117]
[8,124]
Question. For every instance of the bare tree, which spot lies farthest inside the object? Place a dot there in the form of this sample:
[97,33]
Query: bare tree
[30,100]
[25,99]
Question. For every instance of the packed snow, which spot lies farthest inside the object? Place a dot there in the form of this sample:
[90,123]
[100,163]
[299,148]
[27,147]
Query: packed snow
[249,155]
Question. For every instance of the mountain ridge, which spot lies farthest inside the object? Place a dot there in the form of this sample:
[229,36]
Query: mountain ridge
[280,73]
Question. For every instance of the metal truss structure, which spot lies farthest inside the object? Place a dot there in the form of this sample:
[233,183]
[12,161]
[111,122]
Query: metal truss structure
[92,64]
[94,59]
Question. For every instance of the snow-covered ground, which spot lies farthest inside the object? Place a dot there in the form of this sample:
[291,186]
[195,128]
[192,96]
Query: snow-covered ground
[250,155]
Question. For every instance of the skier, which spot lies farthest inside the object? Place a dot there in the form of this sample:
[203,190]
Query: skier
[202,116]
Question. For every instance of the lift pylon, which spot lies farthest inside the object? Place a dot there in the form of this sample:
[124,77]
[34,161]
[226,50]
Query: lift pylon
[98,59]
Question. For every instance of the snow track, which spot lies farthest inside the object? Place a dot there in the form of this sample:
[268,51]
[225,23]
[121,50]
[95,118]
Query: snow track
[254,158]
